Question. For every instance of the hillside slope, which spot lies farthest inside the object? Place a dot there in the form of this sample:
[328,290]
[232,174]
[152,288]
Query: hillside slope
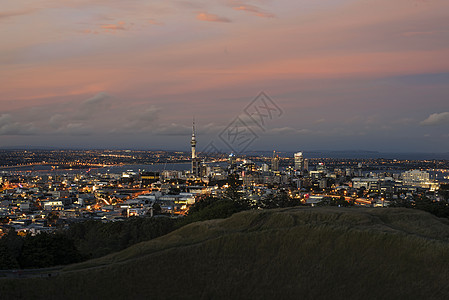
[305,253]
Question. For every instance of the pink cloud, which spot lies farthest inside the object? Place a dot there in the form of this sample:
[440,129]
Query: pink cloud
[155,22]
[113,27]
[204,16]
[320,50]
[254,10]
[89,31]
[9,14]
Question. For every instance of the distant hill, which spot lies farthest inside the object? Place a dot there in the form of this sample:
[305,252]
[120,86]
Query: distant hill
[293,253]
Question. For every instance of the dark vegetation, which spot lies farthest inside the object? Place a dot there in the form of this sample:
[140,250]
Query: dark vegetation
[340,202]
[286,253]
[81,241]
[421,202]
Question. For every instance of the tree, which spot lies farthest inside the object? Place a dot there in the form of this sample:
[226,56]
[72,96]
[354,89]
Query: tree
[156,209]
[208,208]
[201,203]
[10,248]
[342,201]
[279,199]
[444,192]
[233,193]
[46,250]
[268,201]
[437,208]
[7,259]
[327,201]
[53,217]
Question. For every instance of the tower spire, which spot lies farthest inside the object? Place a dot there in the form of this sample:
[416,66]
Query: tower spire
[195,159]
[193,141]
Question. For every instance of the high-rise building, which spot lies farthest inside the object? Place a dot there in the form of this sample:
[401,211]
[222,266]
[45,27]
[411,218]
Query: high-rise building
[231,161]
[299,161]
[193,141]
[415,176]
[275,162]
[195,159]
[265,168]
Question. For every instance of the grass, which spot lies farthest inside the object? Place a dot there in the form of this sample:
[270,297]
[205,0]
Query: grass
[305,253]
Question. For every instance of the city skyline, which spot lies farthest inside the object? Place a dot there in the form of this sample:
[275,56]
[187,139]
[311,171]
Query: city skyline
[361,75]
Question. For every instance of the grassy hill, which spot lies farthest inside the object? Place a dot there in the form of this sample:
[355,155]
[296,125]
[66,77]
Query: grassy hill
[294,253]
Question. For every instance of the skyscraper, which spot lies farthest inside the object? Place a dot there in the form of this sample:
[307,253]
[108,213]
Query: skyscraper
[195,160]
[231,161]
[299,161]
[306,164]
[275,162]
[193,141]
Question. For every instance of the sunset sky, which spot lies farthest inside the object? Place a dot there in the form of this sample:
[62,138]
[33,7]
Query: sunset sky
[358,75]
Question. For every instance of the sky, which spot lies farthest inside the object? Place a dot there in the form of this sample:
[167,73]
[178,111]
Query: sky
[268,75]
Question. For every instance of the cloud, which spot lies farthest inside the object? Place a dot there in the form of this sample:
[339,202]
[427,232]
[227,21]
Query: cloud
[9,14]
[114,27]
[88,31]
[93,106]
[96,100]
[210,128]
[108,28]
[287,130]
[5,123]
[254,10]
[99,114]
[173,129]
[141,121]
[74,118]
[78,129]
[155,22]
[5,119]
[57,120]
[204,16]
[64,125]
[10,127]
[149,115]
[436,119]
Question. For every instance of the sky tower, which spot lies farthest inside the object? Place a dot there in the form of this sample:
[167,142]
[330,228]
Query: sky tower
[195,160]
[193,141]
